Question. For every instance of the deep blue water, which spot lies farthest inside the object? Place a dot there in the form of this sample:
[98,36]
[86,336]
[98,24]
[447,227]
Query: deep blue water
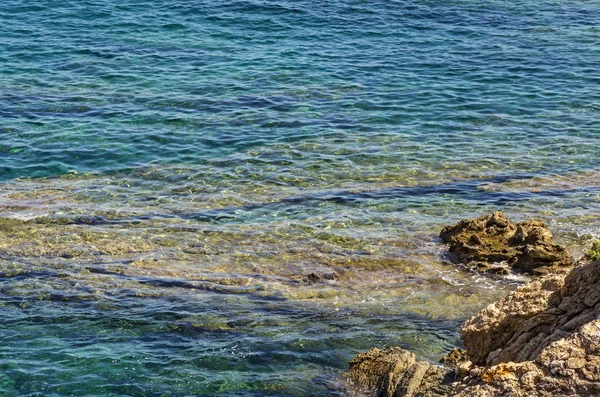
[172,172]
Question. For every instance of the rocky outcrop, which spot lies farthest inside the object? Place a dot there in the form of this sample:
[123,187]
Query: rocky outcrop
[556,351]
[495,325]
[395,371]
[495,244]
[543,339]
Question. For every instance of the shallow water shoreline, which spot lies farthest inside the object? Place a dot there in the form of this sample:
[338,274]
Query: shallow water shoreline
[184,280]
[235,198]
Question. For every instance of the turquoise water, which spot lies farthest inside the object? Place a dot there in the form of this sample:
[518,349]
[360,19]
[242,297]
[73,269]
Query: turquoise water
[173,173]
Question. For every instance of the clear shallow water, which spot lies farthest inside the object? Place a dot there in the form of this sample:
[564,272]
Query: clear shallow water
[173,172]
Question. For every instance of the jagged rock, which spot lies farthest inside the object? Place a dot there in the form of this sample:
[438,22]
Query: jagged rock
[395,372]
[543,339]
[455,357]
[493,326]
[568,366]
[371,371]
[493,243]
[547,310]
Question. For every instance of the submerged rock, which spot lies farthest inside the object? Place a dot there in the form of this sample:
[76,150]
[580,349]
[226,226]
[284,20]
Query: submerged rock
[316,278]
[543,339]
[495,244]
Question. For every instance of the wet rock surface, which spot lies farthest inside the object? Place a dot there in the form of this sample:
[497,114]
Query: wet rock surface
[492,243]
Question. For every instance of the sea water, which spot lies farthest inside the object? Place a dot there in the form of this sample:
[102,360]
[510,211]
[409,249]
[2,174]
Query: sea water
[234,198]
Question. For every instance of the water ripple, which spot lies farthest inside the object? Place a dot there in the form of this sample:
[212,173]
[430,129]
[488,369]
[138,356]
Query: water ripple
[233,198]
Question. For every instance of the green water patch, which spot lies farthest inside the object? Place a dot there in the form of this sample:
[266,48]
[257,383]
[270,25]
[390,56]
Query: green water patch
[65,261]
[219,343]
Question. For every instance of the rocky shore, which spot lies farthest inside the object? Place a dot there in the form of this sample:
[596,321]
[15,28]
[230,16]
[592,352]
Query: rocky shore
[543,339]
[492,243]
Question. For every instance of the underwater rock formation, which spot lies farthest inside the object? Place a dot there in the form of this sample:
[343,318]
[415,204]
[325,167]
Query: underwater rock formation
[495,244]
[543,339]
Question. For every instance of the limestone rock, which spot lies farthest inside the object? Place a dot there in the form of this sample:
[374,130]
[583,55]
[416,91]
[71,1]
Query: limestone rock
[455,357]
[528,320]
[376,369]
[553,348]
[395,372]
[495,244]
[495,325]
[543,339]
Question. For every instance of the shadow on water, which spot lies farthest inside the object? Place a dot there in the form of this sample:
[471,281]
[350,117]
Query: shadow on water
[128,340]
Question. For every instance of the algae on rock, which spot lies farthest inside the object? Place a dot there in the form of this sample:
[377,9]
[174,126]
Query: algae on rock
[594,252]
[495,244]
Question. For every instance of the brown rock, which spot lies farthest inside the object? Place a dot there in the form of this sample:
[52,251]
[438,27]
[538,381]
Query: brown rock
[543,339]
[411,381]
[455,357]
[378,370]
[496,324]
[316,278]
[394,372]
[556,342]
[493,242]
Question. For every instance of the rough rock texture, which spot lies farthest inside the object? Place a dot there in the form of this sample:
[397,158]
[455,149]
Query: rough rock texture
[455,357]
[544,316]
[555,351]
[495,325]
[395,372]
[543,339]
[493,243]
[569,366]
